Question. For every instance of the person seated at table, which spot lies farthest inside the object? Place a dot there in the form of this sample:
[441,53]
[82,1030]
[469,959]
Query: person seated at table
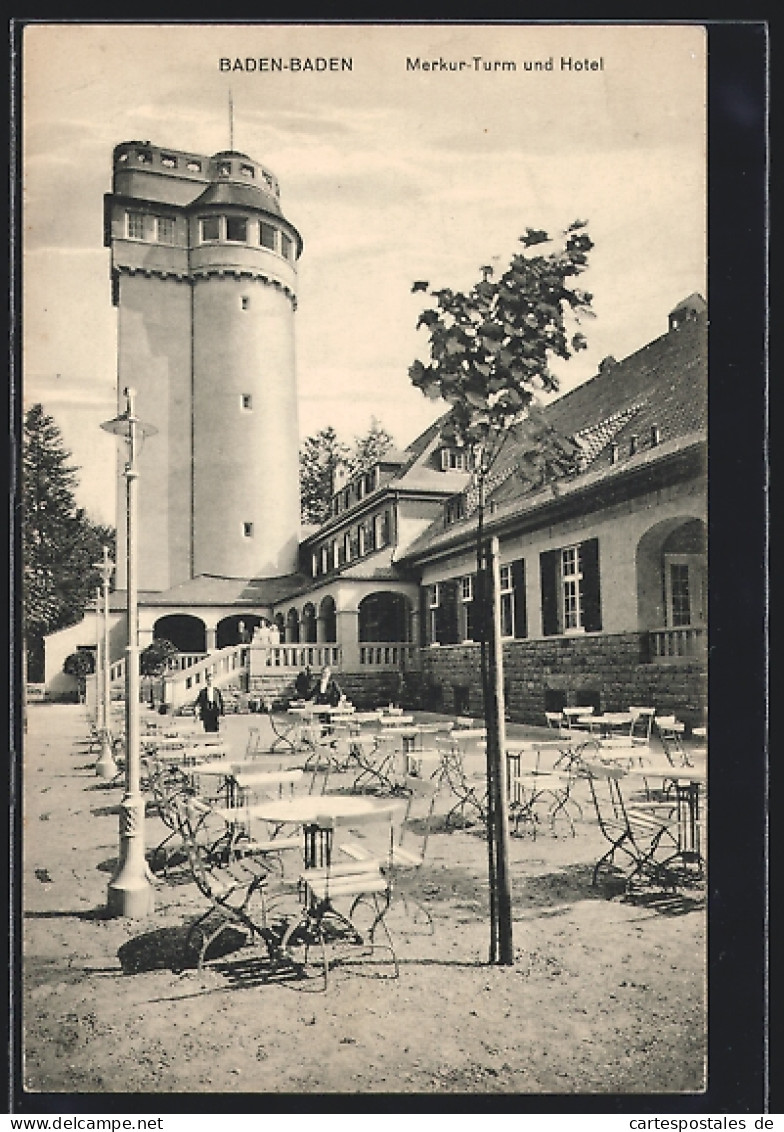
[326,691]
[302,684]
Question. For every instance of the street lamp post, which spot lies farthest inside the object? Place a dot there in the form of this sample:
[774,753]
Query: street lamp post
[105,766]
[130,892]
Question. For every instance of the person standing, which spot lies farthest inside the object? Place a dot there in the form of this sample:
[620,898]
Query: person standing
[302,684]
[209,704]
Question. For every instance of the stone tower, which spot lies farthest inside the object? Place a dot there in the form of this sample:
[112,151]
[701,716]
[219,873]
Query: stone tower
[204,271]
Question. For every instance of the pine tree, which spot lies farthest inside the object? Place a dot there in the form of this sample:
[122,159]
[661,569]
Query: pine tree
[59,543]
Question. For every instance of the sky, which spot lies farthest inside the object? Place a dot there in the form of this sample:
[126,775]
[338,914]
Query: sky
[391,172]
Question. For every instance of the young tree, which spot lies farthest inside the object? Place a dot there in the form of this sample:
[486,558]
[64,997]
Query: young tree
[59,543]
[490,357]
[80,664]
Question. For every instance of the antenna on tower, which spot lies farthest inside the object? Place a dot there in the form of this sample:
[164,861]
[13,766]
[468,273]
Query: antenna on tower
[231,121]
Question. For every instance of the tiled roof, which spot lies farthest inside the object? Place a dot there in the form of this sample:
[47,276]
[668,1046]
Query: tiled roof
[210,589]
[661,387]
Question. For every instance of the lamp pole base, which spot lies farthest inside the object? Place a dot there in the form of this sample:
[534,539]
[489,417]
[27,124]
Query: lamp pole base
[105,766]
[130,893]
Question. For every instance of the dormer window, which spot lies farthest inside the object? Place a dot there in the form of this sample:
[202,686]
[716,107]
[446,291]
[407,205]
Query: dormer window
[455,459]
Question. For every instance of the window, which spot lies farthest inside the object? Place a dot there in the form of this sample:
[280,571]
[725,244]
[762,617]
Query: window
[193,166]
[347,547]
[224,168]
[684,589]
[236,229]
[570,589]
[455,459]
[324,559]
[314,563]
[454,510]
[267,235]
[247,171]
[354,543]
[209,228]
[433,598]
[246,401]
[244,303]
[366,541]
[134,225]
[286,246]
[382,529]
[144,157]
[247,530]
[168,161]
[165,229]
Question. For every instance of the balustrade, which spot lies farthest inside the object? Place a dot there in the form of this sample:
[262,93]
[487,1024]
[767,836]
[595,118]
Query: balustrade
[684,643]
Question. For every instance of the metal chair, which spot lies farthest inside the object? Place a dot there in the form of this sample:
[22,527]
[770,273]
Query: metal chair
[235,891]
[670,732]
[406,858]
[645,834]
[359,887]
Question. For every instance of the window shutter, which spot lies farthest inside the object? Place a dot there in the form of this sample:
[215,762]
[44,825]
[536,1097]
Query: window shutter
[518,586]
[447,613]
[424,617]
[548,567]
[592,605]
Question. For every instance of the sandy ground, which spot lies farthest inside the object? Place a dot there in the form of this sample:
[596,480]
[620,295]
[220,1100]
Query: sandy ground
[606,995]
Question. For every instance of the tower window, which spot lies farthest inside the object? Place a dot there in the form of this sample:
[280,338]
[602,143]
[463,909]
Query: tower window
[285,245]
[193,166]
[247,401]
[267,235]
[247,171]
[134,225]
[236,229]
[144,157]
[247,530]
[224,169]
[165,229]
[210,228]
[169,161]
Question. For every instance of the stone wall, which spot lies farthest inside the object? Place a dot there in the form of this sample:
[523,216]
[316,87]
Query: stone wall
[609,671]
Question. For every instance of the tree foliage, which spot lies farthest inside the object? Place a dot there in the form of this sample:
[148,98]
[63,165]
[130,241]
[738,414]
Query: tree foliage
[59,543]
[319,457]
[323,453]
[154,658]
[491,348]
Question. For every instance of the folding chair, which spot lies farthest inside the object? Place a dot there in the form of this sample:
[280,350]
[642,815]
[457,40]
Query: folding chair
[236,891]
[641,725]
[670,732]
[357,886]
[646,834]
[405,857]
[532,787]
